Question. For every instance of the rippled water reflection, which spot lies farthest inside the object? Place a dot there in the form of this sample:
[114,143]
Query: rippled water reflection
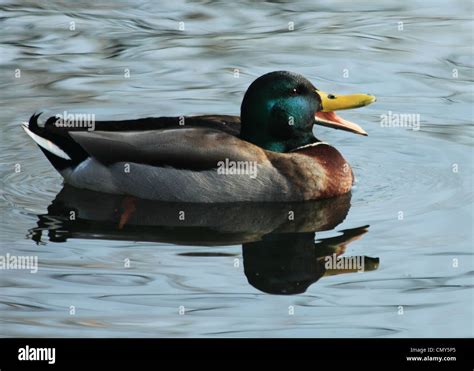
[219,273]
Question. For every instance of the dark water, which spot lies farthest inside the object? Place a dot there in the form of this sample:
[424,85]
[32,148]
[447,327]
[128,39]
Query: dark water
[409,216]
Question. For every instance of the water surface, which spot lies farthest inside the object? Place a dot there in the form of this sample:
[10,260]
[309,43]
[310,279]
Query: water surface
[243,272]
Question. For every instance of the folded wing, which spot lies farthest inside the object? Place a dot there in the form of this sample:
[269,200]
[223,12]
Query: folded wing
[187,148]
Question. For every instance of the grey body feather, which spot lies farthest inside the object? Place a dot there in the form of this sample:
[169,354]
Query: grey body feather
[176,165]
[169,184]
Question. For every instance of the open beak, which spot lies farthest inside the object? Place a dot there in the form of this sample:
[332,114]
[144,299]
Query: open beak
[332,102]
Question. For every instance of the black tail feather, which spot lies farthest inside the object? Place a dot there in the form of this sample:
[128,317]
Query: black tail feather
[61,139]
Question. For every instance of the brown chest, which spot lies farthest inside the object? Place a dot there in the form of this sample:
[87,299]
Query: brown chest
[326,172]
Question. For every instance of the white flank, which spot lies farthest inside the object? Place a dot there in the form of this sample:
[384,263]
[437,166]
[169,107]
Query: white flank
[46,144]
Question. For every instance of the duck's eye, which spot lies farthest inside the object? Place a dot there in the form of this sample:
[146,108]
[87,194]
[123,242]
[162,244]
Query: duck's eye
[294,91]
[331,96]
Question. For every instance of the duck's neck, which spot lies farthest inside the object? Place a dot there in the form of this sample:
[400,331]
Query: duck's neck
[271,143]
[288,145]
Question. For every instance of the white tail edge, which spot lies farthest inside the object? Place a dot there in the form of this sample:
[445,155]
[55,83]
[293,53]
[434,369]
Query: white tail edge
[45,143]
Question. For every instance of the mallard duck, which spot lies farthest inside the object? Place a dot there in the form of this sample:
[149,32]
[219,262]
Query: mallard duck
[268,154]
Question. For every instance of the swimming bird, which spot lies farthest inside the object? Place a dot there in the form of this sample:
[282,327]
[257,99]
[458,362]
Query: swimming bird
[269,153]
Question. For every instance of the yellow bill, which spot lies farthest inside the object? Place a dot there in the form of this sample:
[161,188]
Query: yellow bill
[332,102]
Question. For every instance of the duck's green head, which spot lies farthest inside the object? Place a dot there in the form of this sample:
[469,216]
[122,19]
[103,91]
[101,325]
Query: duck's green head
[280,108]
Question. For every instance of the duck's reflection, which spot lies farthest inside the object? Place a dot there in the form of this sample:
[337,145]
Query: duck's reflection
[280,253]
[289,263]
